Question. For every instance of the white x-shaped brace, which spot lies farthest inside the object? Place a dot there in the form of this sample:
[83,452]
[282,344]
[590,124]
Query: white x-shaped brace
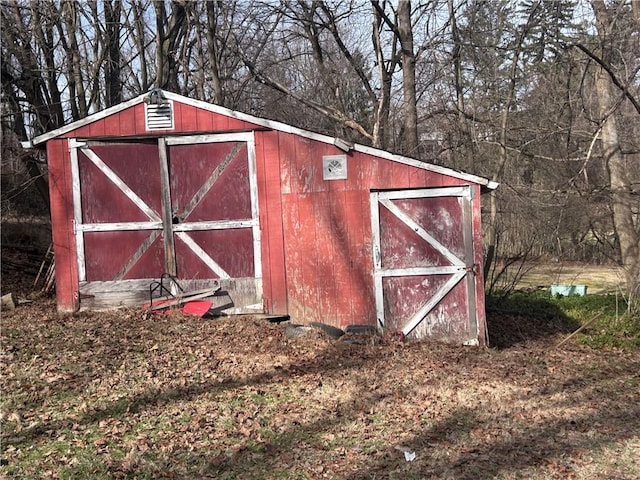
[457,269]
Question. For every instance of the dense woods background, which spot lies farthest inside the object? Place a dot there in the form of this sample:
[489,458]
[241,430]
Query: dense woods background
[542,96]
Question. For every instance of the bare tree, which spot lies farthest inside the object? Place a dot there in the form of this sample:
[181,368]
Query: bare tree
[386,69]
[402,28]
[624,202]
[171,35]
[27,63]
[512,81]
[456,60]
[113,67]
[213,50]
[77,76]
[139,74]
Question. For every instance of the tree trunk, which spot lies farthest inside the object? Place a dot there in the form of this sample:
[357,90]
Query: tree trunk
[162,47]
[212,51]
[465,155]
[43,32]
[112,79]
[139,37]
[385,71]
[405,33]
[171,32]
[68,30]
[621,194]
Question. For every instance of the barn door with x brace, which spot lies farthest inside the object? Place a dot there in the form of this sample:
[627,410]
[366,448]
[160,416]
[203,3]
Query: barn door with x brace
[182,205]
[423,263]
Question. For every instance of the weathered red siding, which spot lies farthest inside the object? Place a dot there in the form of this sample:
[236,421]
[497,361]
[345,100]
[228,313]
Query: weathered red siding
[479,262]
[64,247]
[188,119]
[316,235]
[269,154]
[327,230]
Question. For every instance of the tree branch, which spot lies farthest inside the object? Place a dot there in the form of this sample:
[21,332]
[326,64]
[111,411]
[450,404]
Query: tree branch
[612,75]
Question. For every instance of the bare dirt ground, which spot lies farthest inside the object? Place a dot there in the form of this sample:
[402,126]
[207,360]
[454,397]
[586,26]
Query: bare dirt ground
[125,395]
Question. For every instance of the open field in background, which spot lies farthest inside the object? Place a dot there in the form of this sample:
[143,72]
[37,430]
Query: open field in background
[121,395]
[600,279]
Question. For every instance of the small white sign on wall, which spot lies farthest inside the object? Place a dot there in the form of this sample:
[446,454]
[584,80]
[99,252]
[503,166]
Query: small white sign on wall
[334,167]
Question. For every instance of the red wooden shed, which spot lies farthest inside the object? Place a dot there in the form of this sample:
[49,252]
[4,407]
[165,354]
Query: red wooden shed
[286,220]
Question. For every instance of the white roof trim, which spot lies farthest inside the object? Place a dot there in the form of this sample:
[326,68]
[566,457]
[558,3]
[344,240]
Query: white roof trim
[81,123]
[427,166]
[271,124]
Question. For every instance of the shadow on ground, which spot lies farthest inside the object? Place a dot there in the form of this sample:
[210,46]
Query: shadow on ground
[525,318]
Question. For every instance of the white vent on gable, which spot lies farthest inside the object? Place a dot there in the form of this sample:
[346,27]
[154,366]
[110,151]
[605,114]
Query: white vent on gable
[334,167]
[159,116]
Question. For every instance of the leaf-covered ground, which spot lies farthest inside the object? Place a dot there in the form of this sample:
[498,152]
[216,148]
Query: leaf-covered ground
[122,395]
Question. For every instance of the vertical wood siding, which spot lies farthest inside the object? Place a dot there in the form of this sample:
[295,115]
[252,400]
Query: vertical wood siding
[327,232]
[271,147]
[61,197]
[316,237]
[479,261]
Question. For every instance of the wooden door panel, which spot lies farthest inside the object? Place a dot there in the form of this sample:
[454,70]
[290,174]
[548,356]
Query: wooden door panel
[441,217]
[138,166]
[96,188]
[103,201]
[210,182]
[402,247]
[230,250]
[117,200]
[150,263]
[212,211]
[406,295]
[191,165]
[229,197]
[180,204]
[423,253]
[117,255]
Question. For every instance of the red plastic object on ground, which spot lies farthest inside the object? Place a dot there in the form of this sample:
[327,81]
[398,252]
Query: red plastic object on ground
[198,308]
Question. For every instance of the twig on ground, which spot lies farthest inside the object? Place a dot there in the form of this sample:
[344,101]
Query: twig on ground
[582,327]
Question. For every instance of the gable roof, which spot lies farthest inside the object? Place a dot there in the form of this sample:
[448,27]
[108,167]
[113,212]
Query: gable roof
[270,124]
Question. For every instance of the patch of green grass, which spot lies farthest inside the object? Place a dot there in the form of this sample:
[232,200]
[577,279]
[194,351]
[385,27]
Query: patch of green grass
[375,418]
[536,304]
[84,465]
[615,326]
[68,459]
[624,334]
[259,398]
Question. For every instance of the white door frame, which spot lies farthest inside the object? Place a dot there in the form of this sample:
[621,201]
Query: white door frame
[162,220]
[458,268]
